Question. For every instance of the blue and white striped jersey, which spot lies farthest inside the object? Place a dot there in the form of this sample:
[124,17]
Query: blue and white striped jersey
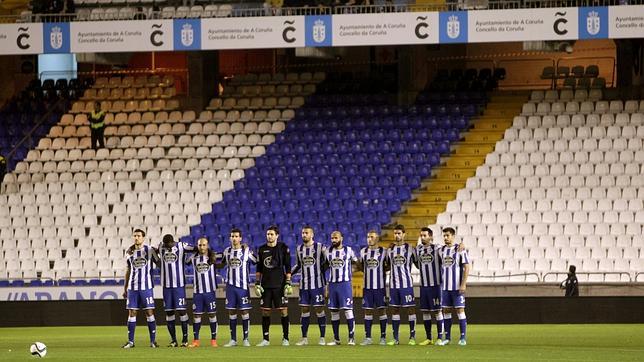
[373,261]
[401,258]
[238,266]
[140,264]
[309,262]
[429,263]
[453,263]
[340,263]
[173,265]
[205,275]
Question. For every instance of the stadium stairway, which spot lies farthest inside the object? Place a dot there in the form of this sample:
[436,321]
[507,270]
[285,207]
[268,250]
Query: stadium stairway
[436,191]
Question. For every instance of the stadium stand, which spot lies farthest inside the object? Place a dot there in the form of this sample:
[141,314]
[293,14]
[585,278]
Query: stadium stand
[563,187]
[345,162]
[161,169]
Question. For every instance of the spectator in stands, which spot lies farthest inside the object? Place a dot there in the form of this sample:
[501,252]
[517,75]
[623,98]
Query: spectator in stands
[3,168]
[571,284]
[97,126]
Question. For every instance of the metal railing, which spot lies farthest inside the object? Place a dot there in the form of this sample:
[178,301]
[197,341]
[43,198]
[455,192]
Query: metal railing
[604,274]
[328,10]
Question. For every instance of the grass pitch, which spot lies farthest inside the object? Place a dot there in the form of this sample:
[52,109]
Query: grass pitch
[607,342]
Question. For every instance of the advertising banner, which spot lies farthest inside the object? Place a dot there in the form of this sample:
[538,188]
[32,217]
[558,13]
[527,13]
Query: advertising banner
[523,25]
[121,36]
[24,38]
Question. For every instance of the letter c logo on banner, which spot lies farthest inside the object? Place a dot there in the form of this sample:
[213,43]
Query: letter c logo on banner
[287,30]
[20,40]
[420,26]
[557,24]
[155,34]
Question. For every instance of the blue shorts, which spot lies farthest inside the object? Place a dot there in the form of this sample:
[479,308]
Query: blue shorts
[402,297]
[140,299]
[340,295]
[453,299]
[237,298]
[430,298]
[204,302]
[174,299]
[314,297]
[374,298]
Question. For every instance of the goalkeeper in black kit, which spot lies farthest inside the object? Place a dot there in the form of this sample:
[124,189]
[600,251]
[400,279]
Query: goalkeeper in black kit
[273,283]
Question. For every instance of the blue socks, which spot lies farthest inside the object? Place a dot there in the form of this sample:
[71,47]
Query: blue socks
[245,324]
[233,327]
[412,326]
[171,327]
[305,320]
[152,328]
[184,328]
[368,321]
[448,325]
[213,327]
[335,324]
[462,321]
[395,322]
[383,326]
[322,323]
[131,326]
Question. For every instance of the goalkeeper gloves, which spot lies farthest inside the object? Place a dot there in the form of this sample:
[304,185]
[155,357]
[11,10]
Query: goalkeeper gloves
[288,289]
[259,290]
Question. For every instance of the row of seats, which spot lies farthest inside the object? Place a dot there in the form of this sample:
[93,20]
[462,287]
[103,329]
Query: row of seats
[145,118]
[574,107]
[570,229]
[515,189]
[183,136]
[580,135]
[114,94]
[145,147]
[127,106]
[269,90]
[139,81]
[80,181]
[74,203]
[255,103]
[40,251]
[557,241]
[579,120]
[278,78]
[565,95]
[564,71]
[65,167]
[584,83]
[593,216]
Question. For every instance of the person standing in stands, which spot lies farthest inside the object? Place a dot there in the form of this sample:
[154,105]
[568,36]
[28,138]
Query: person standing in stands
[97,126]
[571,285]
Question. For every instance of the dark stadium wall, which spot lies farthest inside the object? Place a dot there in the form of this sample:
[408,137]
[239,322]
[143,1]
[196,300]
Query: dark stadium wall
[13,78]
[203,68]
[483,310]
[250,61]
[163,60]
